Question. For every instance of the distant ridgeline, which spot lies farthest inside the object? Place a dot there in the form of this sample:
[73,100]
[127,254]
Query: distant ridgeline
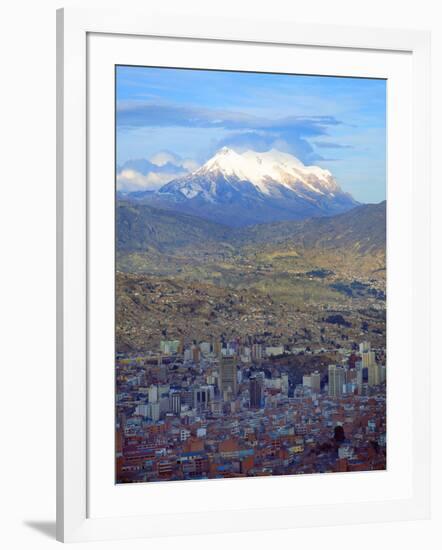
[141,227]
[243,189]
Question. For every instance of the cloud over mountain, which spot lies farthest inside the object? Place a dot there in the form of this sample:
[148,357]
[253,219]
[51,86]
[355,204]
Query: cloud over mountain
[252,187]
[151,174]
[130,180]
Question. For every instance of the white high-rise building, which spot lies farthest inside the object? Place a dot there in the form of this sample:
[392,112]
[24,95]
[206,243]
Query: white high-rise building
[153,394]
[364,347]
[154,411]
[205,348]
[142,410]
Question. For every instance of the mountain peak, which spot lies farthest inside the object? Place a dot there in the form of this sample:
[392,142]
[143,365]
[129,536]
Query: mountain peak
[224,151]
[255,187]
[270,169]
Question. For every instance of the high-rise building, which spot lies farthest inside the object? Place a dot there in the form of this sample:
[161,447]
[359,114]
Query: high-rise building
[153,394]
[228,380]
[216,407]
[364,347]
[142,410]
[257,352]
[359,379]
[154,411]
[255,390]
[202,395]
[217,346]
[368,359]
[205,348]
[367,355]
[164,405]
[169,346]
[374,374]
[187,398]
[315,381]
[196,354]
[175,402]
[336,380]
[383,373]
[312,381]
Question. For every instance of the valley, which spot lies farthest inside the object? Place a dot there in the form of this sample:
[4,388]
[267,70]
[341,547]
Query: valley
[276,281]
[250,274]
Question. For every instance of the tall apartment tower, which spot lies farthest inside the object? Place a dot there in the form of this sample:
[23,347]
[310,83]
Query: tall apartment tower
[196,354]
[359,380]
[364,347]
[336,380]
[180,349]
[315,381]
[202,395]
[374,374]
[368,359]
[257,352]
[228,379]
[217,346]
[255,390]
[368,356]
[153,394]
[175,402]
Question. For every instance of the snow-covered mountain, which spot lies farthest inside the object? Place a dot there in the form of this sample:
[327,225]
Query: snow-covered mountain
[240,189]
[272,174]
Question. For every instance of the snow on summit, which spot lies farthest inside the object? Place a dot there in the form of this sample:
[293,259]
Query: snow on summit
[251,187]
[263,169]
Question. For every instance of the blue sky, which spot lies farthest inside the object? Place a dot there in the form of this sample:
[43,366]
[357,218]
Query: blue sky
[336,123]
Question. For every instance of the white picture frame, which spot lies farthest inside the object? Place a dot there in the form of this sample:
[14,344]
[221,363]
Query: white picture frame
[77,519]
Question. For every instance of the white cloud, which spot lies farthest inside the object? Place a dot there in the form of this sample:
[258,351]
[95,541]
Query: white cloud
[131,180]
[150,175]
[189,165]
[163,157]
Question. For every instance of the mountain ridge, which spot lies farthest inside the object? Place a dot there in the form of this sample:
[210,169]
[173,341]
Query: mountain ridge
[141,226]
[243,189]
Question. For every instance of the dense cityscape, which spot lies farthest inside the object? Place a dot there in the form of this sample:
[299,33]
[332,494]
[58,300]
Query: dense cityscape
[217,409]
[250,274]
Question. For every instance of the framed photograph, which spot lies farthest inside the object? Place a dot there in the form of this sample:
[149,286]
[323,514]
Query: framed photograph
[243,275]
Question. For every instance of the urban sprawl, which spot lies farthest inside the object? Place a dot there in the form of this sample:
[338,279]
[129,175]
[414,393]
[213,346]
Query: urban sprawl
[217,409]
